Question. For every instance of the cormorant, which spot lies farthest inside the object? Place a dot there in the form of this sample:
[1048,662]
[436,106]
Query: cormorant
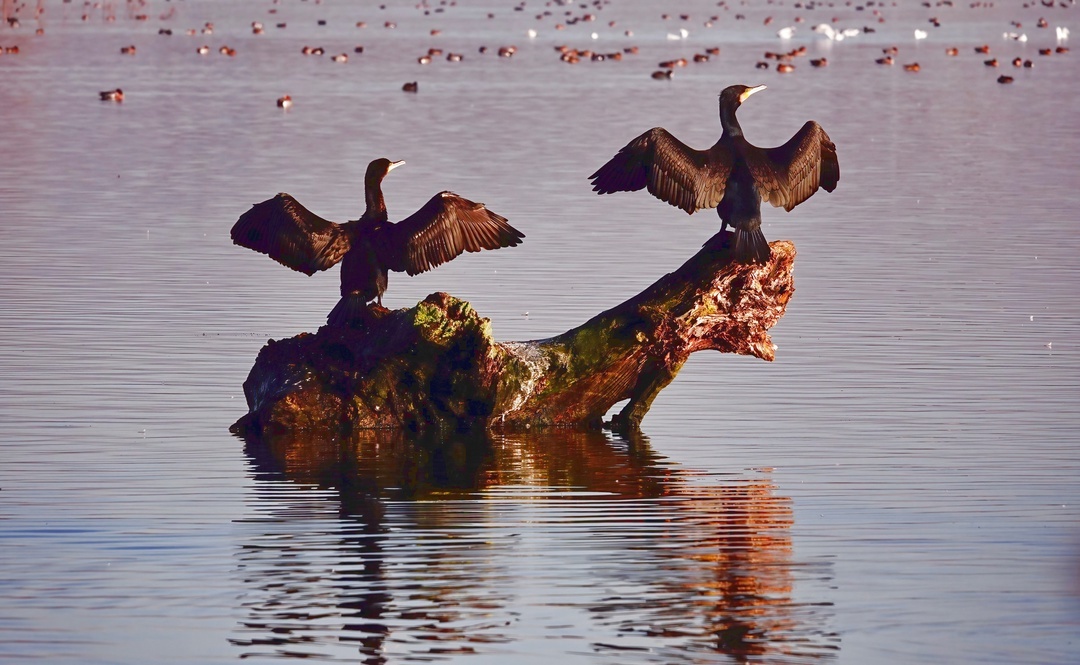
[732,176]
[368,247]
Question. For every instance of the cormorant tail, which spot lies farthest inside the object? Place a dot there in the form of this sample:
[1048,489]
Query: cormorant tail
[751,246]
[349,311]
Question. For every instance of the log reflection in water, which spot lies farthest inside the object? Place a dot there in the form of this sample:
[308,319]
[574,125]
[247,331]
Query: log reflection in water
[388,545]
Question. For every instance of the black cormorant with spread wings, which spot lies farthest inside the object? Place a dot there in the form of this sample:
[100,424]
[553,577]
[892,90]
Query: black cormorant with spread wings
[371,246]
[733,176]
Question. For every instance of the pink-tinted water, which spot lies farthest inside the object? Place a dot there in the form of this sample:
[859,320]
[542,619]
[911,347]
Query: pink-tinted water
[900,485]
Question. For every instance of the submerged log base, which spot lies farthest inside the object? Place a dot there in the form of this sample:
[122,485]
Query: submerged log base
[436,365]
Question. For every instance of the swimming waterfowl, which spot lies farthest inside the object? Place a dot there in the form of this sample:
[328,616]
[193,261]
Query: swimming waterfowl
[732,176]
[445,227]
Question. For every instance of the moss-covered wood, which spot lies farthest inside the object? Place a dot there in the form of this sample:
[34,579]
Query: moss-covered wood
[436,365]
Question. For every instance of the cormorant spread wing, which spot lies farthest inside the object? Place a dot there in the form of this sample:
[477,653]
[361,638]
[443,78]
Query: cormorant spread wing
[789,174]
[674,172]
[441,230]
[291,234]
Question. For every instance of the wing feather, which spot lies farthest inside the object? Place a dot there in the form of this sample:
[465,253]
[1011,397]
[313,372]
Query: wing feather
[789,174]
[672,171]
[445,227]
[291,234]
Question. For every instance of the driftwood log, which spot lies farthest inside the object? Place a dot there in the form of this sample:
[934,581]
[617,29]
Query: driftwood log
[436,365]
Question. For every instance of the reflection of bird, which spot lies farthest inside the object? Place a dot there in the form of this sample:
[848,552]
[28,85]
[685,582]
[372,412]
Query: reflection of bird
[732,176]
[445,227]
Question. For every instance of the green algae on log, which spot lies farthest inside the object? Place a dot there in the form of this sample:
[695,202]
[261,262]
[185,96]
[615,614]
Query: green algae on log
[436,365]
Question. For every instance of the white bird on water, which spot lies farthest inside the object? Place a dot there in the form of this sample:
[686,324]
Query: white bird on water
[920,34]
[1062,33]
[835,35]
[786,33]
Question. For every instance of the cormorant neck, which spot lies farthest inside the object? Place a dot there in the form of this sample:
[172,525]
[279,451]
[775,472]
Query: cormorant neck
[373,198]
[728,120]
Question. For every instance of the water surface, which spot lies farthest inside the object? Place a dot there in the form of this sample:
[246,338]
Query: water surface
[898,486]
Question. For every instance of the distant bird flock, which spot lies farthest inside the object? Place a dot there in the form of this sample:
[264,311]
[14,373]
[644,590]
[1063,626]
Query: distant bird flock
[832,22]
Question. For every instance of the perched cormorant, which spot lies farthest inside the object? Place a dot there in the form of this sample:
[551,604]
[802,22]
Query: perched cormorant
[368,247]
[732,176]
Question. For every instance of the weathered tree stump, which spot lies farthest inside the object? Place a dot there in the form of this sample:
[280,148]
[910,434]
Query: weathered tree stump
[436,365]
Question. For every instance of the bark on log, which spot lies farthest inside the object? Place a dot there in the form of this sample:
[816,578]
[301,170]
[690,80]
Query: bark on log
[436,365]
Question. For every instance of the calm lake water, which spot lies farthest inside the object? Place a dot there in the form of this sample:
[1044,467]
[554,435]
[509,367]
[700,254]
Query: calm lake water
[902,485]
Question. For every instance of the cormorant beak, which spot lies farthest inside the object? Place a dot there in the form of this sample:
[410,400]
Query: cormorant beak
[749,91]
[394,165]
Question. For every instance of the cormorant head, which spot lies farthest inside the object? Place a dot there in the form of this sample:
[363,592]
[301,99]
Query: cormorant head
[378,168]
[734,95]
